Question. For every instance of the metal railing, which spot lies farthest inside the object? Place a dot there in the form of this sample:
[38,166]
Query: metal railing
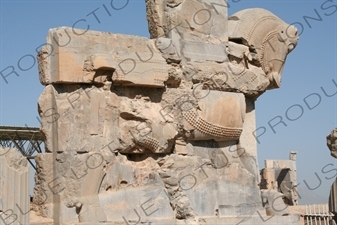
[318,215]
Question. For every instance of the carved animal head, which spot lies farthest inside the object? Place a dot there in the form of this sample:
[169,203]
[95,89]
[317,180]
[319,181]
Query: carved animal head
[268,37]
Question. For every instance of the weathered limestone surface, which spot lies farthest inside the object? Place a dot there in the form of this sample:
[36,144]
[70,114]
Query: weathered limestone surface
[272,200]
[333,198]
[92,56]
[331,143]
[14,188]
[270,39]
[281,176]
[197,29]
[160,130]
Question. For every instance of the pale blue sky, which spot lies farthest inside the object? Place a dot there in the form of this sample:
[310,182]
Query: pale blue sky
[312,65]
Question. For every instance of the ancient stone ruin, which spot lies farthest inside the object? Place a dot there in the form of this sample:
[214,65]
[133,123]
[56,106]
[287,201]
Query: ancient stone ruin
[332,145]
[279,184]
[160,130]
[14,187]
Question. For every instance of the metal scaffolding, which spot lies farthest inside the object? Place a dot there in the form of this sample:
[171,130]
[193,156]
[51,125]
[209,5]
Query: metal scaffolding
[27,140]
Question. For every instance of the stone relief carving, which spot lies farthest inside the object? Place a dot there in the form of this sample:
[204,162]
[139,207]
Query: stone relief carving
[173,114]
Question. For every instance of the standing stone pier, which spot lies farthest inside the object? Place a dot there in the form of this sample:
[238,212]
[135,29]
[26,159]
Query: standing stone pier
[14,188]
[159,130]
[332,145]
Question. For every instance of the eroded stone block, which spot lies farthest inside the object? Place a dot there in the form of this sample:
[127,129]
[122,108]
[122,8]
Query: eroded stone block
[198,29]
[14,187]
[272,201]
[331,142]
[195,20]
[219,116]
[94,57]
[281,176]
[333,198]
[85,117]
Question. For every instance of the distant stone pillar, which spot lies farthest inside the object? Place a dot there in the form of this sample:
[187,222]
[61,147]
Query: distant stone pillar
[14,188]
[333,198]
[331,143]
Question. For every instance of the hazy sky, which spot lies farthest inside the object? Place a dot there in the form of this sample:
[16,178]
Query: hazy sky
[306,101]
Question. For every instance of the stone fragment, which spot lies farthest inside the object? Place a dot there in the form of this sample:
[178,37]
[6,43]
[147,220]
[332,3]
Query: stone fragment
[192,180]
[270,38]
[198,29]
[272,201]
[68,189]
[169,51]
[333,198]
[14,187]
[95,57]
[219,116]
[132,188]
[331,142]
[238,51]
[201,20]
[137,123]
[43,195]
[281,176]
[228,77]
[155,17]
[143,125]
[201,52]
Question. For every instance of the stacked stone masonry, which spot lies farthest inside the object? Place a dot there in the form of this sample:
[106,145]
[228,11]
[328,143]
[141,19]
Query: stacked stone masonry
[158,130]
